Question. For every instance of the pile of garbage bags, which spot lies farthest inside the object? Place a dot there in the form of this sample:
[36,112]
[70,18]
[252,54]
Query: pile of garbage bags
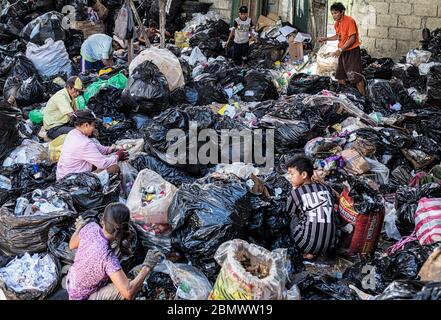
[222,224]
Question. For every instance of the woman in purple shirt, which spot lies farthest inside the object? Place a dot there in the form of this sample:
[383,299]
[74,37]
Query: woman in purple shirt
[95,262]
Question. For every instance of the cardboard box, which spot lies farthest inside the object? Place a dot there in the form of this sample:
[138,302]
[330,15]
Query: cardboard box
[101,10]
[263,22]
[273,16]
[88,27]
[295,49]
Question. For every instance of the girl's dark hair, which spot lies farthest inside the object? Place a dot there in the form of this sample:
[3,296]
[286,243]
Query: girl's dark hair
[338,6]
[302,164]
[116,220]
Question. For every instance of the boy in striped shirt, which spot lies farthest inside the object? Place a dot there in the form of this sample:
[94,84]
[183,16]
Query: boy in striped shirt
[312,208]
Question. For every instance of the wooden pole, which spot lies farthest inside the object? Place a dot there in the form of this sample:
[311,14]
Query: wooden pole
[162,18]
[130,50]
[139,22]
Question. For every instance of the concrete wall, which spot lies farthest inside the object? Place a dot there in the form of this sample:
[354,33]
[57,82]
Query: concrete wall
[282,7]
[221,6]
[393,27]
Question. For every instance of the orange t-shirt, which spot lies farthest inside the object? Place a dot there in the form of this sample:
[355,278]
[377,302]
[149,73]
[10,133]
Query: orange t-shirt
[346,28]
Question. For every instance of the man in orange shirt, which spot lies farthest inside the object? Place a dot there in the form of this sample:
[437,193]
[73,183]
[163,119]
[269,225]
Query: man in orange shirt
[348,53]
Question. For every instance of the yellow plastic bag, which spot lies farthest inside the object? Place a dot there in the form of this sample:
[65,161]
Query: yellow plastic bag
[55,148]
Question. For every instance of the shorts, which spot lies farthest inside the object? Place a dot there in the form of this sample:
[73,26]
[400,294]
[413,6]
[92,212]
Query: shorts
[240,51]
[350,66]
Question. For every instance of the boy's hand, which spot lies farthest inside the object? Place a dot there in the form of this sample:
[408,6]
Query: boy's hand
[80,223]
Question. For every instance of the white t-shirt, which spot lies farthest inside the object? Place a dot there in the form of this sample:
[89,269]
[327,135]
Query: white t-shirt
[97,47]
[242,30]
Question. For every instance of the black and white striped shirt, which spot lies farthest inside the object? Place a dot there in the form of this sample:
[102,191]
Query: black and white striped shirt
[312,205]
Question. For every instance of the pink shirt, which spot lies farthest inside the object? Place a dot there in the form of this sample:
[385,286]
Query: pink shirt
[93,265]
[79,154]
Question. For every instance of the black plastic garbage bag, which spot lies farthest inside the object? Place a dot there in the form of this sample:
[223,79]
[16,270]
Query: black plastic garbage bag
[87,192]
[171,174]
[379,69]
[434,83]
[48,25]
[294,123]
[323,287]
[108,135]
[9,137]
[106,101]
[304,83]
[259,86]
[376,274]
[381,96]
[411,290]
[73,42]
[209,90]
[20,234]
[148,91]
[22,67]
[58,243]
[407,202]
[205,214]
[410,76]
[12,48]
[166,149]
[31,91]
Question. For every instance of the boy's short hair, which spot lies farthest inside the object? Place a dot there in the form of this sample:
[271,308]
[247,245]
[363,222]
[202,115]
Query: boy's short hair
[302,163]
[243,9]
[338,6]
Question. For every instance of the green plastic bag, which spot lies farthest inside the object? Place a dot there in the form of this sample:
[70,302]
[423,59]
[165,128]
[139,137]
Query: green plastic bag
[81,103]
[118,81]
[36,116]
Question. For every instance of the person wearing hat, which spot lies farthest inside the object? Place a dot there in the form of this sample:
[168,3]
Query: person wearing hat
[81,154]
[60,107]
[96,52]
[241,33]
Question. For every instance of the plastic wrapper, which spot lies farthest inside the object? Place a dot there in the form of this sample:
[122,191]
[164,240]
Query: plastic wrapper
[148,90]
[128,176]
[190,283]
[133,146]
[390,222]
[380,170]
[418,57]
[249,272]
[49,59]
[150,198]
[318,146]
[29,152]
[166,62]
[30,277]
[197,57]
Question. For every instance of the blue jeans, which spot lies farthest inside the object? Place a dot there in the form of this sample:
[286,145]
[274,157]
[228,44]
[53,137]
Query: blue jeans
[87,65]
